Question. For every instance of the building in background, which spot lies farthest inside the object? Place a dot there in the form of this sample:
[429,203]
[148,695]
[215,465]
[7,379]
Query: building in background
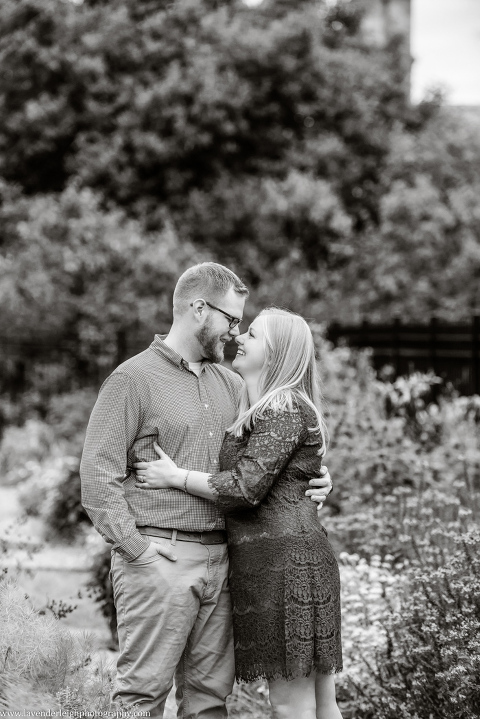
[389,21]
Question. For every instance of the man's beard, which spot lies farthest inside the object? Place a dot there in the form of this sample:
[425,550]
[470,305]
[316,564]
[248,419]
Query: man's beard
[210,343]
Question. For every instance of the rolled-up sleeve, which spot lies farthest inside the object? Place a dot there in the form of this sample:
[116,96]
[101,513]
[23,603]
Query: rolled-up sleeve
[270,446]
[111,431]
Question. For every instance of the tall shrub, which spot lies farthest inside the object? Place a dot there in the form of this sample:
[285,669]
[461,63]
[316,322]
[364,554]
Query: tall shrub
[428,668]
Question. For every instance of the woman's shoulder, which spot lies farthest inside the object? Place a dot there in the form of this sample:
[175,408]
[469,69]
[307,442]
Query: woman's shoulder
[306,411]
[310,422]
[296,415]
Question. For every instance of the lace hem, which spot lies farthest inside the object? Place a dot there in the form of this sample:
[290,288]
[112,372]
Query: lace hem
[253,674]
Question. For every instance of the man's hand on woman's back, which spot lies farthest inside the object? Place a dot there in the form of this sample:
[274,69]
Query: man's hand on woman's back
[322,486]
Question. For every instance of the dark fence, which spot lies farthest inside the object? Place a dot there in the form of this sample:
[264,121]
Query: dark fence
[49,366]
[451,350]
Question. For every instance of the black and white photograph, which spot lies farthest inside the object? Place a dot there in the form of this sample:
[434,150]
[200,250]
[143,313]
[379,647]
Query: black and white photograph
[240,359]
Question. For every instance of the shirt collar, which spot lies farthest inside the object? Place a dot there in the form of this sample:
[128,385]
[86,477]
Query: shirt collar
[158,345]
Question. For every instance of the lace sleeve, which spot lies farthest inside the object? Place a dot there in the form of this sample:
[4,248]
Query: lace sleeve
[269,448]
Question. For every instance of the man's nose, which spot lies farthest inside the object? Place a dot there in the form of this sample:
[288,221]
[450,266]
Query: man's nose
[234,332]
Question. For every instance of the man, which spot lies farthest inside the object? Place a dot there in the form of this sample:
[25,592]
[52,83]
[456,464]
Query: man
[169,555]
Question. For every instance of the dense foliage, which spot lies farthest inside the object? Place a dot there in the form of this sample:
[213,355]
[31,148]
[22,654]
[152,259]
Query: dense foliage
[152,106]
[137,138]
[427,662]
[75,277]
[45,667]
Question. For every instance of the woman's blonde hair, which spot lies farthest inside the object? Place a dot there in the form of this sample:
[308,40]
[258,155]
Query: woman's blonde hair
[288,375]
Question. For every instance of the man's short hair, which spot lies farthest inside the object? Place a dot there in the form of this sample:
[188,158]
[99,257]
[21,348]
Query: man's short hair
[209,281]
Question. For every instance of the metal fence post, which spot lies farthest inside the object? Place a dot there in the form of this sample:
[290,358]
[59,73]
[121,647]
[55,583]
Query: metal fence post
[333,331]
[433,343]
[397,322]
[476,354]
[364,331]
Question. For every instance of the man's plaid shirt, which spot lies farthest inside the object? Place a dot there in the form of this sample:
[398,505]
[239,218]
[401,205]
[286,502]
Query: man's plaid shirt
[154,396]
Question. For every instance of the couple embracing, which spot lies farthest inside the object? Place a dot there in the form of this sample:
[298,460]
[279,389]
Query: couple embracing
[198,477]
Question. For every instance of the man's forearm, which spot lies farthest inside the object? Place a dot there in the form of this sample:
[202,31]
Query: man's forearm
[111,430]
[110,515]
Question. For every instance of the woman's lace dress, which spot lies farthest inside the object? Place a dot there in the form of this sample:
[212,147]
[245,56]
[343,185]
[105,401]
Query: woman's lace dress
[284,577]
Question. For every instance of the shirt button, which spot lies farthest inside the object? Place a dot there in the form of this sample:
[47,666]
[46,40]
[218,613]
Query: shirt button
[211,434]
[206,406]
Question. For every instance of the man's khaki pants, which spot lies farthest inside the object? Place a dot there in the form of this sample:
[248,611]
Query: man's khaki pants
[174,619]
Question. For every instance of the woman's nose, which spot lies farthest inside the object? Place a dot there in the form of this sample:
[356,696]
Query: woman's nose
[239,339]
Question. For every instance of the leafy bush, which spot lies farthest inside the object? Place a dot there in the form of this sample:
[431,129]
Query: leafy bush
[44,666]
[68,416]
[29,440]
[370,453]
[272,138]
[385,526]
[386,436]
[52,492]
[428,667]
[101,589]
[369,588]
[39,482]
[416,399]
[50,481]
[63,512]
[20,445]
[79,276]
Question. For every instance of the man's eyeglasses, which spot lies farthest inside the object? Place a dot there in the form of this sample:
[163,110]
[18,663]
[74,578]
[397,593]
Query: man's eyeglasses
[232,321]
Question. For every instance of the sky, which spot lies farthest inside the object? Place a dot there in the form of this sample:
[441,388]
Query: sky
[446,49]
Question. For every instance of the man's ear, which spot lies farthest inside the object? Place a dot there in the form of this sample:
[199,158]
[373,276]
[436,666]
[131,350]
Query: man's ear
[198,307]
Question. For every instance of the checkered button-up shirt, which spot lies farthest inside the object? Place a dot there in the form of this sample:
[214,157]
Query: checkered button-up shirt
[154,396]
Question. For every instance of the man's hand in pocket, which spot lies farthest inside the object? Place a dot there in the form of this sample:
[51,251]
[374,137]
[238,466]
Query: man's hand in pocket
[155,548]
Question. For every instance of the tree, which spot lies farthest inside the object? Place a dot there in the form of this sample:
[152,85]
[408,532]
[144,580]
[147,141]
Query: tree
[75,273]
[424,257]
[150,106]
[267,138]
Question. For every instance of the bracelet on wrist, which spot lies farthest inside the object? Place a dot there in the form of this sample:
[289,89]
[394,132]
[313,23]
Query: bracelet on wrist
[185,482]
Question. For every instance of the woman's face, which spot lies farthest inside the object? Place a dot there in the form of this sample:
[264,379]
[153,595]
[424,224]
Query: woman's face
[250,356]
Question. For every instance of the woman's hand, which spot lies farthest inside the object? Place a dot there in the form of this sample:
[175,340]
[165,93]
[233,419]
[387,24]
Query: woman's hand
[160,474]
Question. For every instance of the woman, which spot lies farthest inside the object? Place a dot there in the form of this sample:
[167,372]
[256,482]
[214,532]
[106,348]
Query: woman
[284,577]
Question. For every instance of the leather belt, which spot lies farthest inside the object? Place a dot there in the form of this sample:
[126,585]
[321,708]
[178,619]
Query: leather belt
[218,536]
